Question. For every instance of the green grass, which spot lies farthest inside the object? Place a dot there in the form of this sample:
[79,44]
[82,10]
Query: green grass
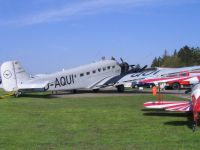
[92,123]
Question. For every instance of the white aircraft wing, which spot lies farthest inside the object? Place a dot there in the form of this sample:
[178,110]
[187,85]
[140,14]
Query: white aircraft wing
[191,80]
[179,106]
[162,80]
[100,83]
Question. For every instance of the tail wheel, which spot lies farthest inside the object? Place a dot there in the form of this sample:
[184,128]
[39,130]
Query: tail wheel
[18,93]
[176,86]
[120,88]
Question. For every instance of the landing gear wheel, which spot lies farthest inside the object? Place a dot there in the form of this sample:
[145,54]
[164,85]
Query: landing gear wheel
[95,90]
[176,86]
[120,88]
[18,93]
[74,91]
[194,127]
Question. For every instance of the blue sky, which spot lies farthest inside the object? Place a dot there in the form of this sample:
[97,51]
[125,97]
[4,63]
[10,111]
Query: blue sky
[48,35]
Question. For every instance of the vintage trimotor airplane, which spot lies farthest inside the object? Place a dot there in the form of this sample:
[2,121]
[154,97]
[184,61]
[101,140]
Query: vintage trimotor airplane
[181,106]
[92,76]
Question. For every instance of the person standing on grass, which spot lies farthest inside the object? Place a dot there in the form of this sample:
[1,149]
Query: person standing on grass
[154,90]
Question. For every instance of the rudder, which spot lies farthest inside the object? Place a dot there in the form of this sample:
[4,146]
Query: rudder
[12,75]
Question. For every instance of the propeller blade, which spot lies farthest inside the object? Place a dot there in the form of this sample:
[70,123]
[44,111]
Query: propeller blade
[112,58]
[144,67]
[121,60]
[132,65]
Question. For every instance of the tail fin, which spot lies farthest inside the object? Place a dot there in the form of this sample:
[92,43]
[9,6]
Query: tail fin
[12,75]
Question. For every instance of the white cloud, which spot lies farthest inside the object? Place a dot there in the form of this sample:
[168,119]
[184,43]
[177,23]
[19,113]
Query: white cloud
[87,7]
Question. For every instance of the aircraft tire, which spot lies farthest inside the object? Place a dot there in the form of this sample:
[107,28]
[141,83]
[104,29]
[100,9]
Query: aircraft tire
[74,91]
[95,90]
[18,93]
[176,86]
[120,88]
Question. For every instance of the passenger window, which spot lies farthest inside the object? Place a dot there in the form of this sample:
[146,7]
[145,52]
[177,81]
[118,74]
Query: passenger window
[82,74]
[99,69]
[184,74]
[88,73]
[94,71]
[108,67]
[113,67]
[172,75]
[104,68]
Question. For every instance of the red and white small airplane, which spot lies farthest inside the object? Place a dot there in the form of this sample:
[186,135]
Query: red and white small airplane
[181,106]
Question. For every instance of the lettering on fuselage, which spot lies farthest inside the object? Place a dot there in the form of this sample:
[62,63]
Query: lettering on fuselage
[144,74]
[61,82]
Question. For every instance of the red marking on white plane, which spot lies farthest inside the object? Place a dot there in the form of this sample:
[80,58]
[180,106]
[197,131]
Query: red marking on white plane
[181,106]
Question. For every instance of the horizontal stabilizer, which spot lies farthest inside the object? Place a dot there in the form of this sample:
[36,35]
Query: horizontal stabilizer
[34,85]
[180,106]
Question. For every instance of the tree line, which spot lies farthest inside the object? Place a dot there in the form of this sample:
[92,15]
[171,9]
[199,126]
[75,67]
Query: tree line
[186,56]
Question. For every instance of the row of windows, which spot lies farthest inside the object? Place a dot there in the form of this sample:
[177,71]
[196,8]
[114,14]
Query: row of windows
[177,74]
[99,70]
[195,71]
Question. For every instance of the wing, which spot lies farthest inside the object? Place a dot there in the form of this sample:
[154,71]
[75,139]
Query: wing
[101,83]
[180,106]
[163,80]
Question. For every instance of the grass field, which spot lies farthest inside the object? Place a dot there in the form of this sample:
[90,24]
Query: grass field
[103,123]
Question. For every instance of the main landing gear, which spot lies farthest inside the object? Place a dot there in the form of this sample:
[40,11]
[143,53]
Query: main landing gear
[120,88]
[95,90]
[18,93]
[196,118]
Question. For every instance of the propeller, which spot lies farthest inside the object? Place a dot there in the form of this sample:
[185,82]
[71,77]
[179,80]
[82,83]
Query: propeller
[121,60]
[112,58]
[134,68]
[144,67]
[125,63]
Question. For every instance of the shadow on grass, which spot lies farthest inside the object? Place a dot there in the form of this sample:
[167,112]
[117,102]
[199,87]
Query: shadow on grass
[153,110]
[189,122]
[102,91]
[46,96]
[114,91]
[162,113]
[165,114]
